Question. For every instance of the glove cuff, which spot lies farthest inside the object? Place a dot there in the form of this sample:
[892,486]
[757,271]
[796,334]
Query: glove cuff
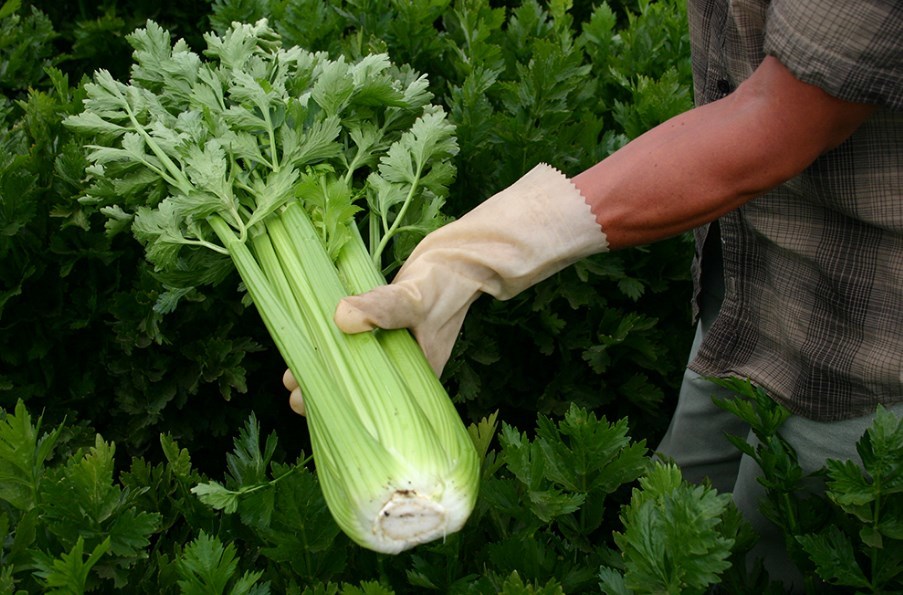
[536,227]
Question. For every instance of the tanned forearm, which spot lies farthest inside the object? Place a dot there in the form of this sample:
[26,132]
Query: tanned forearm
[706,162]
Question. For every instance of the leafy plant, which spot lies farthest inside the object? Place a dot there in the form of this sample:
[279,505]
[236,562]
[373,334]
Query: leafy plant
[678,537]
[89,34]
[209,567]
[70,571]
[77,309]
[864,550]
[25,50]
[60,512]
[543,523]
[790,502]
[847,532]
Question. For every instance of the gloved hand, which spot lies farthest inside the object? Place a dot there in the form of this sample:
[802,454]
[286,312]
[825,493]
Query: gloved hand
[515,239]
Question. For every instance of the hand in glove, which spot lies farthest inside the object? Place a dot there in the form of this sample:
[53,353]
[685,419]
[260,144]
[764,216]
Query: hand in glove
[515,239]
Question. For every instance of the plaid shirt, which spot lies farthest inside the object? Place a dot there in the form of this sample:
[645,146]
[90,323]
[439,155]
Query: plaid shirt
[813,270]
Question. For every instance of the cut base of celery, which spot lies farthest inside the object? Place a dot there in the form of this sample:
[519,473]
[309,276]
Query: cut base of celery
[409,518]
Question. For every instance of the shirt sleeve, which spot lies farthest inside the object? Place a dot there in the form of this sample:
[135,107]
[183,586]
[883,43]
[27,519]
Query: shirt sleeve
[852,49]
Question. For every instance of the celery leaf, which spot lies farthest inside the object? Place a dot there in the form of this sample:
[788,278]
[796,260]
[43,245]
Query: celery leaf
[208,566]
[23,452]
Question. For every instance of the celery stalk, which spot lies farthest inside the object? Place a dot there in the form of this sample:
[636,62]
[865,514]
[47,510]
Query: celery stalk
[422,483]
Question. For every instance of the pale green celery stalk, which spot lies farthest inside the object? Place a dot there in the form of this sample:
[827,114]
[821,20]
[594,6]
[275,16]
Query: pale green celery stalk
[277,318]
[356,267]
[395,462]
[300,352]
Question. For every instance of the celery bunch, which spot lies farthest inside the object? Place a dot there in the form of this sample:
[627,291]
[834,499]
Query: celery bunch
[259,157]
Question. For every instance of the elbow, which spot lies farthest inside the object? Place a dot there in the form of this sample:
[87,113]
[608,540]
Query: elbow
[786,125]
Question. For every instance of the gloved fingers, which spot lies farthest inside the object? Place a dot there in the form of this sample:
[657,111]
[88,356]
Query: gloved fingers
[288,380]
[403,306]
[296,402]
[386,307]
[394,307]
[295,399]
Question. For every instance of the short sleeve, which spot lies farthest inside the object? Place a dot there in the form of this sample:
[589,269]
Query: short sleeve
[852,49]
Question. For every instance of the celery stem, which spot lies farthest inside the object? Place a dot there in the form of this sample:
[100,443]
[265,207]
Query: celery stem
[377,254]
[178,175]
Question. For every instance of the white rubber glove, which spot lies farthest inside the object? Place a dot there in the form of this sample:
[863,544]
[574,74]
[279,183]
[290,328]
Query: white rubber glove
[515,239]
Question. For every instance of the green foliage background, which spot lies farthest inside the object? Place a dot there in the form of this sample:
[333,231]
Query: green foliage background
[523,84]
[122,414]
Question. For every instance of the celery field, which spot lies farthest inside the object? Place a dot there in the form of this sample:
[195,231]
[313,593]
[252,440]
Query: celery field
[187,189]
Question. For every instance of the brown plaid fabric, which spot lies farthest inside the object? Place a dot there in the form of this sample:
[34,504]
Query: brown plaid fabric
[813,270]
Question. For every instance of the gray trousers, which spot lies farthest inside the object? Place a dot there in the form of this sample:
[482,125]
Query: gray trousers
[695,440]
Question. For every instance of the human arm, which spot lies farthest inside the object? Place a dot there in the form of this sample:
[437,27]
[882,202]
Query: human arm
[710,160]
